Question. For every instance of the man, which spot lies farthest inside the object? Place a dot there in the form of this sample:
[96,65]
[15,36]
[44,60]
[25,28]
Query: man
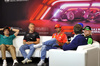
[58,39]
[30,38]
[78,40]
[87,34]
[81,24]
[6,43]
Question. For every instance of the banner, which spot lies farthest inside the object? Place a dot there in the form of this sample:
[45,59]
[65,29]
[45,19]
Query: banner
[46,13]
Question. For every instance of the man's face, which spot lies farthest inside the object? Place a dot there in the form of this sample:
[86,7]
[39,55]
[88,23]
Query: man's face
[31,27]
[6,32]
[87,32]
[58,29]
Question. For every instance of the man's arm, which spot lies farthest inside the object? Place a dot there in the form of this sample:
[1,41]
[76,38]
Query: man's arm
[24,41]
[31,42]
[63,41]
[1,29]
[16,31]
[60,43]
[34,42]
[90,40]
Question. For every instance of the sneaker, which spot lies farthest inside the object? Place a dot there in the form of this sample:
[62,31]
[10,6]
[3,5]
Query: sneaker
[15,62]
[4,63]
[37,46]
[29,61]
[24,61]
[40,63]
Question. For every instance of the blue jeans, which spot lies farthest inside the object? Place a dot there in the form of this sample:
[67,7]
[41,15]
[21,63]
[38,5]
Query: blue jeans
[47,46]
[26,46]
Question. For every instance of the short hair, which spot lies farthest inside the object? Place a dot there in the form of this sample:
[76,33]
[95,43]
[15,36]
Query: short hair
[78,29]
[31,24]
[6,28]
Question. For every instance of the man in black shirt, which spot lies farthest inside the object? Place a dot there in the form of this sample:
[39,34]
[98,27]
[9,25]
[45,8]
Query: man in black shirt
[30,38]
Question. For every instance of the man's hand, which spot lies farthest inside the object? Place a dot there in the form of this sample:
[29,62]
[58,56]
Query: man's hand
[28,43]
[31,42]
[67,42]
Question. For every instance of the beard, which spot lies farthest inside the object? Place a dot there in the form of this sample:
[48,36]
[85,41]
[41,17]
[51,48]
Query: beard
[58,31]
[31,30]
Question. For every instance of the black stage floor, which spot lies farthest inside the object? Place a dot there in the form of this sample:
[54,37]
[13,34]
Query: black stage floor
[34,62]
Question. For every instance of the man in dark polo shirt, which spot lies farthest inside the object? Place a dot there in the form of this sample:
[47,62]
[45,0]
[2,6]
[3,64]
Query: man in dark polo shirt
[30,38]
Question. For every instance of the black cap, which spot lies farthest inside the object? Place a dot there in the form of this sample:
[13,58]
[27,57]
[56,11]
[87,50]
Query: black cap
[87,28]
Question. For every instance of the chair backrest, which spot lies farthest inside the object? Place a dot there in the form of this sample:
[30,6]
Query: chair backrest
[18,41]
[96,44]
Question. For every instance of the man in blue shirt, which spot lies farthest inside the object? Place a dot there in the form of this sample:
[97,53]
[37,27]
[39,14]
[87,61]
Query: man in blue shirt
[78,39]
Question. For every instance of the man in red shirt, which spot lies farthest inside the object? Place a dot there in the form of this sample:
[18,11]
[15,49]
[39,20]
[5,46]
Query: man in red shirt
[58,39]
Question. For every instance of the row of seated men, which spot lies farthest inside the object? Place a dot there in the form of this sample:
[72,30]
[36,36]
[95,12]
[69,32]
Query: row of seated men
[31,41]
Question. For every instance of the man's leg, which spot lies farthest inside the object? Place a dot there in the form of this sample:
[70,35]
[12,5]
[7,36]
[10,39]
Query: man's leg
[46,46]
[3,51]
[22,50]
[27,56]
[43,51]
[47,42]
[12,51]
[32,49]
[27,59]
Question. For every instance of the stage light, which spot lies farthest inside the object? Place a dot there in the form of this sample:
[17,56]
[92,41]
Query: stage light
[45,13]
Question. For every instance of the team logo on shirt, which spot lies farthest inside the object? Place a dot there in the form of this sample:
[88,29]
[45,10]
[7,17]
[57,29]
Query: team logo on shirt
[60,37]
[27,35]
[54,37]
[33,34]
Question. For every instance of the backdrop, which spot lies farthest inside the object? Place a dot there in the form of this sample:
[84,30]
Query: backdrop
[46,13]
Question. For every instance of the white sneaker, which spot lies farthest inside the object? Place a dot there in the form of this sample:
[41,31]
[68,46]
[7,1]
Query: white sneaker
[4,63]
[29,61]
[15,62]
[37,45]
[25,60]
[40,63]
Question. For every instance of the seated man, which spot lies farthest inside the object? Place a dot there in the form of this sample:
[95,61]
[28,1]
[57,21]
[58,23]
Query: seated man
[78,40]
[6,43]
[30,38]
[58,39]
[87,34]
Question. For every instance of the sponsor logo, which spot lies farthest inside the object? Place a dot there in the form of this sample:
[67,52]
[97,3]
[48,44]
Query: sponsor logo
[15,0]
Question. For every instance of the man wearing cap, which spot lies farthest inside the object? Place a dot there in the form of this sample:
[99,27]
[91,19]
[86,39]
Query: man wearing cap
[87,34]
[58,39]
